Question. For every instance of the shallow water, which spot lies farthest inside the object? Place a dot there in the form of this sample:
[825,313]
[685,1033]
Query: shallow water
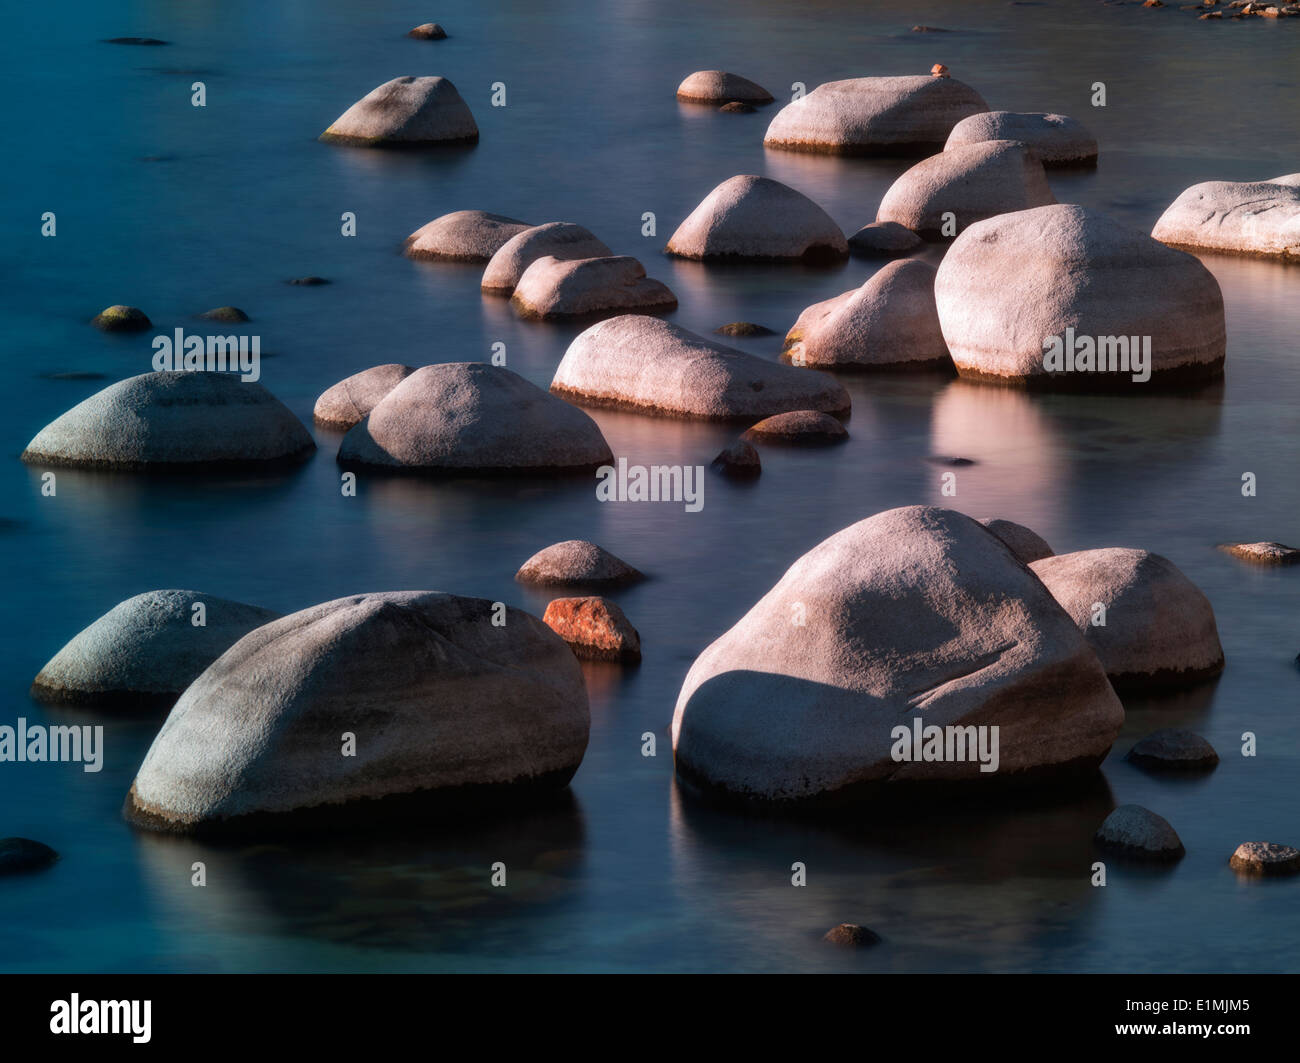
[630,874]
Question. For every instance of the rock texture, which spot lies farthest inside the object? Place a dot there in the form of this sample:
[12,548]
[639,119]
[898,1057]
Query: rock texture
[1138,833]
[756,217]
[717,86]
[173,420]
[874,116]
[596,629]
[447,709]
[915,612]
[1056,139]
[1240,217]
[474,417]
[1011,283]
[406,111]
[1172,750]
[463,236]
[645,364]
[351,399]
[1265,858]
[553,289]
[1263,553]
[146,650]
[559,239]
[798,426]
[1159,629]
[577,562]
[852,935]
[1026,544]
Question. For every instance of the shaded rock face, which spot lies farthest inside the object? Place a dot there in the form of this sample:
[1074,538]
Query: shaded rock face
[914,612]
[890,323]
[736,107]
[1056,139]
[473,417]
[173,420]
[874,116]
[595,628]
[1158,628]
[119,318]
[1010,287]
[799,426]
[739,461]
[756,217]
[576,562]
[1026,544]
[552,289]
[559,239]
[883,238]
[1139,834]
[463,236]
[1263,553]
[852,935]
[972,182]
[642,363]
[428,31]
[1173,750]
[406,111]
[350,400]
[1265,858]
[1239,217]
[20,856]
[717,86]
[146,650]
[447,709]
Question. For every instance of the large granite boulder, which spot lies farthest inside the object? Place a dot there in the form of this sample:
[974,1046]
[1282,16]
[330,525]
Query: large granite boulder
[648,365]
[352,398]
[717,86]
[1241,217]
[463,236]
[474,417]
[915,618]
[874,116]
[173,420]
[1057,139]
[552,289]
[1010,287]
[407,111]
[446,708]
[558,239]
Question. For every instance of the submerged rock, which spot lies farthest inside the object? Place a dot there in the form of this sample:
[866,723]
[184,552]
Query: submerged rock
[739,461]
[1025,543]
[1265,858]
[311,281]
[717,86]
[798,426]
[852,935]
[229,314]
[1156,627]
[560,240]
[169,420]
[552,289]
[595,629]
[146,650]
[429,31]
[22,855]
[1056,139]
[351,399]
[1173,750]
[743,328]
[1138,833]
[463,236]
[1241,217]
[914,612]
[1263,553]
[645,364]
[447,710]
[756,217]
[406,111]
[884,238]
[736,107]
[150,41]
[120,318]
[576,562]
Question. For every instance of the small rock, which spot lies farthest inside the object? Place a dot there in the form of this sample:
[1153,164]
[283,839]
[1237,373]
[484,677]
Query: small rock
[578,562]
[20,855]
[851,934]
[737,107]
[595,628]
[743,328]
[798,426]
[225,313]
[718,86]
[938,71]
[1172,750]
[1137,832]
[945,459]
[430,31]
[1263,553]
[1153,3]
[884,238]
[1211,15]
[740,460]
[928,29]
[118,318]
[309,282]
[1265,858]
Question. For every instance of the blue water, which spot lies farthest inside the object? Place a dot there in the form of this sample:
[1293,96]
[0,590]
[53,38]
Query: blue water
[177,209]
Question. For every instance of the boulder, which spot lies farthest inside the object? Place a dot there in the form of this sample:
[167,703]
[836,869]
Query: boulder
[971,182]
[717,86]
[852,935]
[645,364]
[146,650]
[595,629]
[171,420]
[429,31]
[22,855]
[552,289]
[1265,858]
[914,612]
[1026,544]
[120,318]
[739,461]
[1172,750]
[463,236]
[227,314]
[578,563]
[1056,139]
[448,710]
[806,427]
[1240,217]
[736,107]
[756,217]
[474,417]
[744,329]
[1158,629]
[874,116]
[558,239]
[890,323]
[406,111]
[883,239]
[1014,287]
[351,399]
[1263,553]
[1139,834]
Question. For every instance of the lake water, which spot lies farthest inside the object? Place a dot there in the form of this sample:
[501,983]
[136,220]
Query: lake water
[177,209]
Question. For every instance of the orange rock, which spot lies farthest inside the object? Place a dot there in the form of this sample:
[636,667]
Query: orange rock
[595,628]
[938,71]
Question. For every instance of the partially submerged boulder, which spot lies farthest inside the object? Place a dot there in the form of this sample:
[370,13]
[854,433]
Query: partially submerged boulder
[717,86]
[890,324]
[428,31]
[1263,553]
[406,111]
[883,239]
[20,856]
[553,289]
[1149,624]
[745,329]
[645,364]
[1056,139]
[740,461]
[1025,543]
[173,420]
[851,935]
[968,183]
[228,314]
[1238,217]
[473,417]
[803,427]
[916,617]
[446,709]
[352,398]
[463,236]
[119,318]
[1139,834]
[756,217]
[1172,750]
[146,650]
[558,239]
[1042,298]
[1265,858]
[595,628]
[874,116]
[576,562]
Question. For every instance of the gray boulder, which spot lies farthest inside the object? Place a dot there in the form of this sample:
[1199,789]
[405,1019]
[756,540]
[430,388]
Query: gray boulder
[883,239]
[576,562]
[1139,834]
[717,86]
[1056,139]
[1025,543]
[1239,217]
[552,289]
[1172,750]
[559,239]
[405,111]
[463,236]
[351,399]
